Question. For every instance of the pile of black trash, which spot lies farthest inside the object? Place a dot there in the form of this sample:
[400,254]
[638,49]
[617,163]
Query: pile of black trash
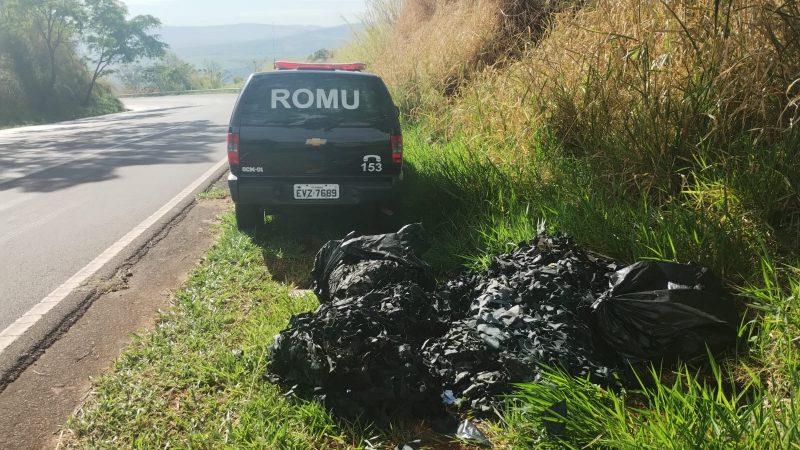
[387,343]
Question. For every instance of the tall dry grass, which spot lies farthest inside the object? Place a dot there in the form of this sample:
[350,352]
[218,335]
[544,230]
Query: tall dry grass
[662,129]
[639,86]
[427,49]
[643,86]
[692,103]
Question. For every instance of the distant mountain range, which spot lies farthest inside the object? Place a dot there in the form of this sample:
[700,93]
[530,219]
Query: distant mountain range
[236,47]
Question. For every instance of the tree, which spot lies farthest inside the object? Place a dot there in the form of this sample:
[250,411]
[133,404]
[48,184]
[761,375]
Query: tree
[113,39]
[55,21]
[171,74]
[320,55]
[214,73]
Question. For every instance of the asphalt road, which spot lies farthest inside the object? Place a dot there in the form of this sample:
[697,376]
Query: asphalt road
[68,191]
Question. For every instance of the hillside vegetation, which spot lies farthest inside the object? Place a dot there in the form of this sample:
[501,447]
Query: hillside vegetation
[663,130]
[170,74]
[44,77]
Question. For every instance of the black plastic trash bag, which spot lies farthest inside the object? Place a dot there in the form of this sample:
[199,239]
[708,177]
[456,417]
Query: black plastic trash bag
[387,344]
[359,356]
[658,311]
[356,265]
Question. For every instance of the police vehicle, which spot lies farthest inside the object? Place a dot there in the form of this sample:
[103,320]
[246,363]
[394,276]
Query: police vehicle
[312,134]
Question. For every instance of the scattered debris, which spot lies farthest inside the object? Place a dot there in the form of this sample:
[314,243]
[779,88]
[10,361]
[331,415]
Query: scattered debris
[387,344]
[448,398]
[556,422]
[469,433]
[416,444]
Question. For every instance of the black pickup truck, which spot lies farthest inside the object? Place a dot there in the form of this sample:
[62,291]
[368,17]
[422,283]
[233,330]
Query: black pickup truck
[313,134]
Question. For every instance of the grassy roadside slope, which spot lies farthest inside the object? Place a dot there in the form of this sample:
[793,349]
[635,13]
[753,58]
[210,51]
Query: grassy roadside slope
[746,400]
[197,379]
[645,132]
[43,74]
[664,131]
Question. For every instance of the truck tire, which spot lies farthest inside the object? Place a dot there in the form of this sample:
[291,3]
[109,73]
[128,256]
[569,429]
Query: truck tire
[249,217]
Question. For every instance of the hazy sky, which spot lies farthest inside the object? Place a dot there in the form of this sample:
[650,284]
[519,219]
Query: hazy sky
[223,12]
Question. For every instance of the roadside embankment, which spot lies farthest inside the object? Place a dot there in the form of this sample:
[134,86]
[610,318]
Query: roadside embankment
[36,404]
[645,131]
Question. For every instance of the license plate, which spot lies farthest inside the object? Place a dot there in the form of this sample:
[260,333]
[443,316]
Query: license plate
[316,191]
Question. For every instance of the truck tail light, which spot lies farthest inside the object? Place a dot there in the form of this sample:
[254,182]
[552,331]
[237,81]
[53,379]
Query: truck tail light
[233,149]
[397,148]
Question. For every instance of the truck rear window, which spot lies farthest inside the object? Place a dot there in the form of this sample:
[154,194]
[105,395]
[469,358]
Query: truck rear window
[314,101]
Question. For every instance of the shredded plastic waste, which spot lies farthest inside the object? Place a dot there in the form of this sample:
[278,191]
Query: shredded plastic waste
[525,312]
[387,343]
[416,444]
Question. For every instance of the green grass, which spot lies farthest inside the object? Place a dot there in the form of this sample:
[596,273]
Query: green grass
[691,412]
[748,403]
[213,193]
[196,380]
[480,205]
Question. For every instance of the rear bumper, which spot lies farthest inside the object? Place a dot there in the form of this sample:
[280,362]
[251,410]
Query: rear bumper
[274,191]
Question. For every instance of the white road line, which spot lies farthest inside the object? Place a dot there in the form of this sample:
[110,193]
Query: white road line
[30,318]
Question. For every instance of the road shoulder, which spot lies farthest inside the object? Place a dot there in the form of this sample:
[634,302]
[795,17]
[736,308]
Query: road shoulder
[41,398]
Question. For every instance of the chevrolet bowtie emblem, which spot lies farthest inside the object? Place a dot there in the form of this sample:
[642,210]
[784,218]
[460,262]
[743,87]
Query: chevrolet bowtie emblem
[316,142]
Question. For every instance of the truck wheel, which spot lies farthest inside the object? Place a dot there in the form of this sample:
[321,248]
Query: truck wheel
[249,217]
